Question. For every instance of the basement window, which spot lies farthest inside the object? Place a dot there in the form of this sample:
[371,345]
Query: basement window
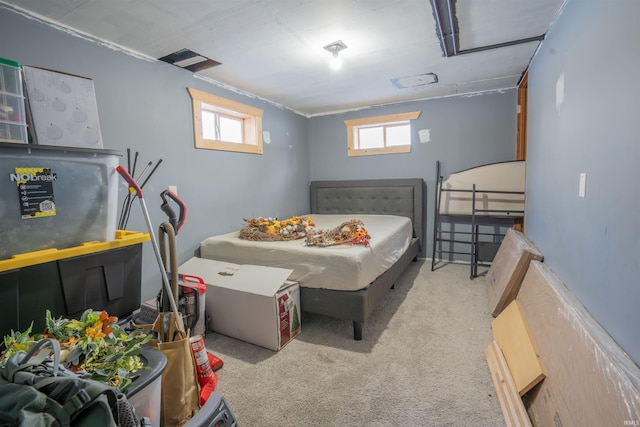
[222,124]
[389,134]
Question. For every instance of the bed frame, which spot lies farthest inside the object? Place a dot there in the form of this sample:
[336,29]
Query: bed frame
[402,197]
[491,196]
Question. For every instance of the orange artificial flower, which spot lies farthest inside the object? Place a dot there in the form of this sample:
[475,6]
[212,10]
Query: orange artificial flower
[72,340]
[95,332]
[105,321]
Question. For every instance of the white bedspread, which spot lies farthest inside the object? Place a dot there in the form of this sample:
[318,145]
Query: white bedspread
[342,267]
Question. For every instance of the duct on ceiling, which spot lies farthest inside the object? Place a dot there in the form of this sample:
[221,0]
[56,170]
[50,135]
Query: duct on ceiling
[444,12]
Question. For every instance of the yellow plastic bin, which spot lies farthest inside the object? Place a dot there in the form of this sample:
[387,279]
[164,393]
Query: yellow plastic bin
[96,275]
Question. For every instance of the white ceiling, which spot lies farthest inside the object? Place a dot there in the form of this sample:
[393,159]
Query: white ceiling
[273,49]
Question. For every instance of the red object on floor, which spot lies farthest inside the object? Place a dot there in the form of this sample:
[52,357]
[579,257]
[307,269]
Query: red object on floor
[208,387]
[215,362]
[208,383]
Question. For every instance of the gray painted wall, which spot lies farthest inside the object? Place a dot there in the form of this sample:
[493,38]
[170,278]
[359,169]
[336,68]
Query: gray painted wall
[591,243]
[465,131]
[144,105]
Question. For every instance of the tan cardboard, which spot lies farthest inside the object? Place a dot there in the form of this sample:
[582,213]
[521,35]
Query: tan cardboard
[512,336]
[590,380]
[509,268]
[252,303]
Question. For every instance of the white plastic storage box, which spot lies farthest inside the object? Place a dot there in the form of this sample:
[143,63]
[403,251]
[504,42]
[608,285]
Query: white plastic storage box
[145,392]
[253,303]
[13,125]
[56,197]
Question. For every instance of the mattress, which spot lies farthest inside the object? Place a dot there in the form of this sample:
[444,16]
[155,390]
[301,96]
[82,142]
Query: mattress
[341,267]
[503,176]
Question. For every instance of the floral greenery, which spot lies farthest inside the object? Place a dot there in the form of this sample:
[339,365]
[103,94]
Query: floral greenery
[351,232]
[261,228]
[94,344]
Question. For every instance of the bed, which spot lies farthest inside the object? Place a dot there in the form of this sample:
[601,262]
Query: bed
[343,281]
[490,196]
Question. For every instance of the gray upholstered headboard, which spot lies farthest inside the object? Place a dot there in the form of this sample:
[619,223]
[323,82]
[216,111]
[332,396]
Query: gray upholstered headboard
[402,197]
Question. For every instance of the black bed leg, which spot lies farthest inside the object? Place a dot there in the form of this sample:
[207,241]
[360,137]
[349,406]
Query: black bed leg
[357,330]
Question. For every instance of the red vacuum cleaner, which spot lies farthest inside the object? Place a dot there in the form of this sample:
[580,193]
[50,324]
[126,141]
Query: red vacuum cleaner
[207,377]
[192,288]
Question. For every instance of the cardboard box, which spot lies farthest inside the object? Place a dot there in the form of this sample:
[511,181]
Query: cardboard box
[590,380]
[62,108]
[253,303]
[508,269]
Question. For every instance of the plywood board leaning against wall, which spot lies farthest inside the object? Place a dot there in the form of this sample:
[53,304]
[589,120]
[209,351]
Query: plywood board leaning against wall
[511,334]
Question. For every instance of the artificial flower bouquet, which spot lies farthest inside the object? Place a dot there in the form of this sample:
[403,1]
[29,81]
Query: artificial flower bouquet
[94,344]
[270,229]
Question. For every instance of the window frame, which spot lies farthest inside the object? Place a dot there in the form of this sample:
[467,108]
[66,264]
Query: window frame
[251,122]
[354,125]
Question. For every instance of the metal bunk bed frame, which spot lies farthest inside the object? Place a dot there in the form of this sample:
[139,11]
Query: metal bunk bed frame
[477,217]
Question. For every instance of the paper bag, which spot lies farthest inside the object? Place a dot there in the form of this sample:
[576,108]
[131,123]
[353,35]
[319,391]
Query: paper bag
[180,393]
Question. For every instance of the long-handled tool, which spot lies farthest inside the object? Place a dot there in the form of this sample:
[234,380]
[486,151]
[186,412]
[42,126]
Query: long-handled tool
[165,279]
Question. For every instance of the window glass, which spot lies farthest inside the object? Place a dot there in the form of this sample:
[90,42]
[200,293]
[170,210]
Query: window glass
[230,129]
[370,138]
[389,134]
[222,124]
[398,135]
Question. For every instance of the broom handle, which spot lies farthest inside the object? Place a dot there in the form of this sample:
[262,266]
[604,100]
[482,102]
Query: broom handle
[165,279]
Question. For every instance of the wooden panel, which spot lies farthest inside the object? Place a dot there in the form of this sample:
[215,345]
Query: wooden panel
[510,332]
[508,269]
[521,132]
[513,409]
[590,380]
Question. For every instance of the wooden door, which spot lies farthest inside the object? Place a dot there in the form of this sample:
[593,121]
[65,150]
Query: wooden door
[521,131]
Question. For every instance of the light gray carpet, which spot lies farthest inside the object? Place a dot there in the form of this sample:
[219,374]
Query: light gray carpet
[421,362]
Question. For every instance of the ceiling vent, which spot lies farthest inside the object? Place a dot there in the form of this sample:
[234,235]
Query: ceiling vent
[413,81]
[189,60]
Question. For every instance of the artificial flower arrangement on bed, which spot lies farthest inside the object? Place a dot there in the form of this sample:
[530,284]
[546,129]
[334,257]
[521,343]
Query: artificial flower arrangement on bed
[270,229]
[94,344]
[351,232]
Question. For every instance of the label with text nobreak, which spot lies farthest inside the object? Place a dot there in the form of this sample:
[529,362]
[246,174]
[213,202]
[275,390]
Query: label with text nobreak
[35,191]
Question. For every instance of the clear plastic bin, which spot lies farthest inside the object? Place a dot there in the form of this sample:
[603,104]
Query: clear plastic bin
[56,197]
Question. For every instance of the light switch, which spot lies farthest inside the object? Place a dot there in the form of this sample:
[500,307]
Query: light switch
[582,188]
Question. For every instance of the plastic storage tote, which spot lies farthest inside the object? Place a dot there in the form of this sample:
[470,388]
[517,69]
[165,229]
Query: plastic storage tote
[56,197]
[13,125]
[145,393]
